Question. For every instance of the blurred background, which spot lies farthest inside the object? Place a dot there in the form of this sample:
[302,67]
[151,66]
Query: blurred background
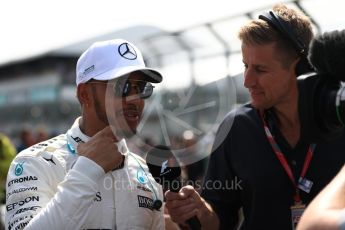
[193,43]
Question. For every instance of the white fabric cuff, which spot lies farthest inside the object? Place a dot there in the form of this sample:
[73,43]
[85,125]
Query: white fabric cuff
[122,147]
[89,168]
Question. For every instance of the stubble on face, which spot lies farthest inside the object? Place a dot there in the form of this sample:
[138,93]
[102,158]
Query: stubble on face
[100,110]
[270,81]
[114,110]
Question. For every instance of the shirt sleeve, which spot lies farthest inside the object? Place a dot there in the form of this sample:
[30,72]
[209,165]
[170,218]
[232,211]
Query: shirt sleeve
[33,202]
[221,185]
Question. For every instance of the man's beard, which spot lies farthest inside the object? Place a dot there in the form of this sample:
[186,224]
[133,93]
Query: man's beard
[122,129]
[101,114]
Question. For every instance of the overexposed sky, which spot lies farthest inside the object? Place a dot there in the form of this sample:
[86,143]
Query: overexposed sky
[29,28]
[34,26]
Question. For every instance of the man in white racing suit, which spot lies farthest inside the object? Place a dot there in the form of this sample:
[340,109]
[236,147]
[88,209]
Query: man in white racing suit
[87,178]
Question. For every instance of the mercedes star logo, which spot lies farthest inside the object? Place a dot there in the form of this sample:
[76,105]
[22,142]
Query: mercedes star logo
[127,51]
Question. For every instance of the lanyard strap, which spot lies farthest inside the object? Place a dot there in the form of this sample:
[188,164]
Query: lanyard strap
[283,160]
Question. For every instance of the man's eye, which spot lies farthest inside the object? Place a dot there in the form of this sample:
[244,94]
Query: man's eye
[260,70]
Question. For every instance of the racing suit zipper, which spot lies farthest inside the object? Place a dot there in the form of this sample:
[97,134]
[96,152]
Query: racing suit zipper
[114,199]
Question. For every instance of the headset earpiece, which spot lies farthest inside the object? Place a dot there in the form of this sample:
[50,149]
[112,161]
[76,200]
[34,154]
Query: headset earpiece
[274,20]
[303,66]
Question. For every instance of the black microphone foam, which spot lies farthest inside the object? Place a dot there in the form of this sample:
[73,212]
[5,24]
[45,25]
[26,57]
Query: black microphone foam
[163,164]
[327,54]
[165,168]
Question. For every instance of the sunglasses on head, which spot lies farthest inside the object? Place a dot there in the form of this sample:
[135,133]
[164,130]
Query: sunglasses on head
[123,87]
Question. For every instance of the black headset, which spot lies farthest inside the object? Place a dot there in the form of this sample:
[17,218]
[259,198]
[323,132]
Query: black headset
[284,29]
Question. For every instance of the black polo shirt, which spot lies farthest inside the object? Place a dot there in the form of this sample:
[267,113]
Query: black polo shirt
[252,177]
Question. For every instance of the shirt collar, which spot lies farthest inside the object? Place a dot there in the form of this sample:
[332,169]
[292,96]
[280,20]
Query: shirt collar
[76,136]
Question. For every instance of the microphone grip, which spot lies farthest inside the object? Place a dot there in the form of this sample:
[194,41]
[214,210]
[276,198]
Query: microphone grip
[193,222]
[175,186]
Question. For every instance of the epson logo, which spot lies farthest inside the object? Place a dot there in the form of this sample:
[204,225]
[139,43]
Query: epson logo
[145,202]
[22,202]
[21,180]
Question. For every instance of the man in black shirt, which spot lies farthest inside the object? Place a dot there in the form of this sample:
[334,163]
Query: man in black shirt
[264,189]
[259,161]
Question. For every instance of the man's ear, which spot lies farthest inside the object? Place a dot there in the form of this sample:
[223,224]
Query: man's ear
[84,95]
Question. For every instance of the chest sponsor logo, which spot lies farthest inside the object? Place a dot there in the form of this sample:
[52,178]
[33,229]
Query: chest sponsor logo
[98,197]
[143,188]
[21,210]
[36,147]
[21,180]
[145,202]
[20,190]
[77,139]
[49,159]
[22,202]
[21,225]
[141,177]
[19,169]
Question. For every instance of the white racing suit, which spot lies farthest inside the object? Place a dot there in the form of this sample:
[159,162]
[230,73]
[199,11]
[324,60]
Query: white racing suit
[50,187]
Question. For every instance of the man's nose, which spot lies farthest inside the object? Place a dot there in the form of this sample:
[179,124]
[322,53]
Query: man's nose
[249,78]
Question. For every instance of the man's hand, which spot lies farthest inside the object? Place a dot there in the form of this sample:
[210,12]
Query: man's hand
[101,148]
[186,204]
[169,224]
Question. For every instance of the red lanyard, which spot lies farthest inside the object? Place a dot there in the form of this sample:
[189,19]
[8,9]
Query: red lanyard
[283,160]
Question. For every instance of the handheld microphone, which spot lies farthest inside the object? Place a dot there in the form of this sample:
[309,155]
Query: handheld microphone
[166,170]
